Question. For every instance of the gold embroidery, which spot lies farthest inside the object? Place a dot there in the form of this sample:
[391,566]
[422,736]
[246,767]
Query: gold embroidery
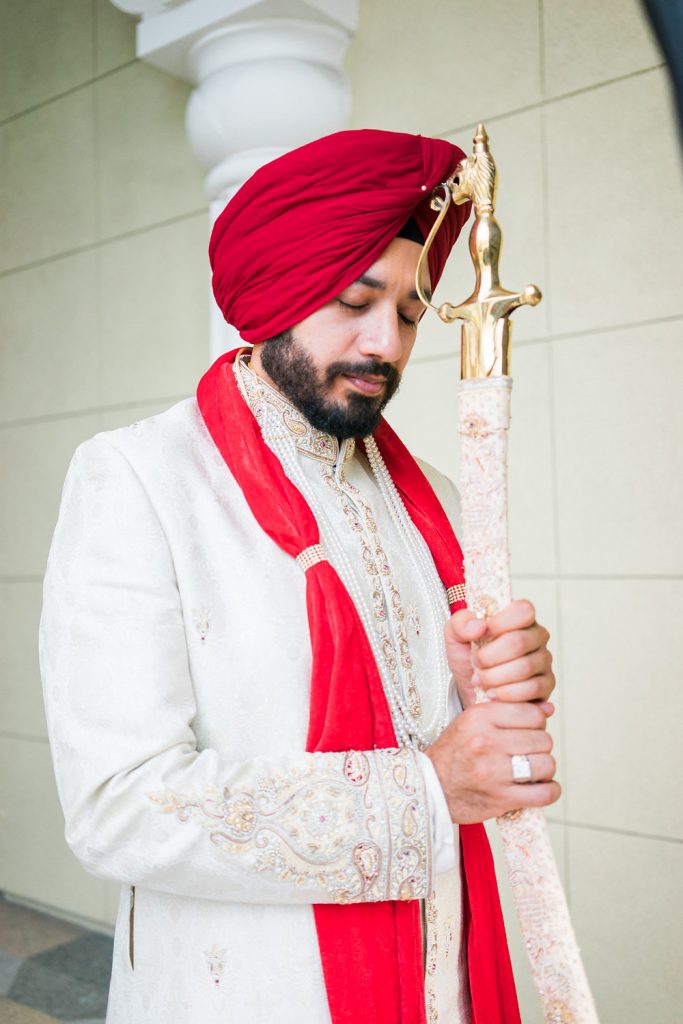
[456,593]
[432,956]
[308,439]
[449,932]
[378,567]
[348,823]
[356,768]
[215,961]
[202,624]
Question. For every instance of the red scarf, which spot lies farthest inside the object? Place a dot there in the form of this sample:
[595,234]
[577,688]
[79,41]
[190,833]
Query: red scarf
[371,953]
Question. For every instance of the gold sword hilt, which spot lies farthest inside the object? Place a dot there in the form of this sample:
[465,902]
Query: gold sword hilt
[485,313]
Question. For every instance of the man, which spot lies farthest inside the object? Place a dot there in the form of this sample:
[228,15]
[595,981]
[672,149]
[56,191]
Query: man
[243,652]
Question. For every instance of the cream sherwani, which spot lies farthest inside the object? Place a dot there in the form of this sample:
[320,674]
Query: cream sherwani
[176,661]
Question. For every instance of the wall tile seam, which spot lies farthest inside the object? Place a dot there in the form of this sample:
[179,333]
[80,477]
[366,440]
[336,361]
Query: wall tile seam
[564,336]
[27,111]
[541,49]
[101,243]
[570,577]
[93,411]
[100,925]
[550,100]
[628,833]
[521,577]
[23,737]
[20,579]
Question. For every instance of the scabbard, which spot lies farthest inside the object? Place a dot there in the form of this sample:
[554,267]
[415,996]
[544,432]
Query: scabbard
[484,417]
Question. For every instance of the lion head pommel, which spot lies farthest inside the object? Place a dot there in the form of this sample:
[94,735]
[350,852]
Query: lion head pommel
[475,179]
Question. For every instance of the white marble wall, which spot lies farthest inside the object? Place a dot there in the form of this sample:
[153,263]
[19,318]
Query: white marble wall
[103,319]
[576,102]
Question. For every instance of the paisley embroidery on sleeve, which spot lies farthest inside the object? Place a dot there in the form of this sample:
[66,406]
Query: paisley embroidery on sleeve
[351,824]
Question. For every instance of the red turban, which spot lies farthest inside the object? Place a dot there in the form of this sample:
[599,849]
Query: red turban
[308,224]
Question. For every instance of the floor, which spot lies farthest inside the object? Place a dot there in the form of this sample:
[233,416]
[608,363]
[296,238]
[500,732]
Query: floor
[51,971]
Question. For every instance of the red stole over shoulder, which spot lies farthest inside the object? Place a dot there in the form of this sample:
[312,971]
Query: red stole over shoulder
[371,953]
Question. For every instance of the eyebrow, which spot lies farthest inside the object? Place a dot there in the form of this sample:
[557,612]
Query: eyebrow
[380,286]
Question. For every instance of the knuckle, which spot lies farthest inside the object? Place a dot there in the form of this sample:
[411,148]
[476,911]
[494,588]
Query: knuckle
[526,666]
[517,645]
[527,609]
[539,718]
[480,744]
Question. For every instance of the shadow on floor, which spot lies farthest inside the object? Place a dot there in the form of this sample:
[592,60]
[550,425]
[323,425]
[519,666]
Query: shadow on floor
[50,971]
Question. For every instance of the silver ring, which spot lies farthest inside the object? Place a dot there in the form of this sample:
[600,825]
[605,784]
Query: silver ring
[521,768]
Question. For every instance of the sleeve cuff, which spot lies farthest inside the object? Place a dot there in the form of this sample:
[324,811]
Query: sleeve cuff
[444,851]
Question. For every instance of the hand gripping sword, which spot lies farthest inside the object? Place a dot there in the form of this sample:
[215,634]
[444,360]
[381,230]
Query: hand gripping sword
[484,417]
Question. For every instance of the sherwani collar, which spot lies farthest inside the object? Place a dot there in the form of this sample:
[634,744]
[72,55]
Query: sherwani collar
[262,398]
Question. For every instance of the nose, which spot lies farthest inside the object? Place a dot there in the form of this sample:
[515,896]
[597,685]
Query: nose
[381,337]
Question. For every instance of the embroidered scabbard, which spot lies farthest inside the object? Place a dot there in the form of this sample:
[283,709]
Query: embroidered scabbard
[484,416]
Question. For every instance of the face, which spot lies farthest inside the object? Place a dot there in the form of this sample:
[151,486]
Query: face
[342,364]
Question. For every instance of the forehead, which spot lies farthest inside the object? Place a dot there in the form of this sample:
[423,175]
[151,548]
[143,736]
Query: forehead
[395,268]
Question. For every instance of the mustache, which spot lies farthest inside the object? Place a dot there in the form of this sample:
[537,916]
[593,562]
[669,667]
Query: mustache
[371,368]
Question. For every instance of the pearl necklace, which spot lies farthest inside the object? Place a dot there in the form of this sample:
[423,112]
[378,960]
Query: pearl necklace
[409,727]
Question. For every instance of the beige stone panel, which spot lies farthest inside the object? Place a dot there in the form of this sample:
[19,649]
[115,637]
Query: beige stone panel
[618,419]
[147,172]
[48,322]
[45,49]
[622,651]
[516,145]
[418,68]
[626,909]
[425,415]
[588,42]
[20,691]
[125,415]
[48,173]
[528,1000]
[531,486]
[35,862]
[615,206]
[114,37]
[154,291]
[34,458]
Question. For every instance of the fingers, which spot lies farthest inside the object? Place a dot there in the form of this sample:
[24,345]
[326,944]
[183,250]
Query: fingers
[540,794]
[516,615]
[511,645]
[537,689]
[463,627]
[517,670]
[512,716]
[525,741]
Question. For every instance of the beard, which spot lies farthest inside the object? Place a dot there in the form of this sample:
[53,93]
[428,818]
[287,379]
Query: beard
[292,369]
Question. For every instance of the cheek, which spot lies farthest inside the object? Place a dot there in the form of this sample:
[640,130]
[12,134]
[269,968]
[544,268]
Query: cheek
[408,346]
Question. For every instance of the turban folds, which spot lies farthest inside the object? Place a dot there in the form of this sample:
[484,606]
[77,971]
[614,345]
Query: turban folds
[308,224]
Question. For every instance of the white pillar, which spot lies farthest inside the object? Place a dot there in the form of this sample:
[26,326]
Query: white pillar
[268,78]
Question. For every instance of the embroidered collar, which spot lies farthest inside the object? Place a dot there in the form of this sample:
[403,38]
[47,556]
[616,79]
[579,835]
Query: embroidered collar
[260,395]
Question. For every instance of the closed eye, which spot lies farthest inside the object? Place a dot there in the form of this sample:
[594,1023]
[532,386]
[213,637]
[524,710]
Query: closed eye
[358,308]
[349,305]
